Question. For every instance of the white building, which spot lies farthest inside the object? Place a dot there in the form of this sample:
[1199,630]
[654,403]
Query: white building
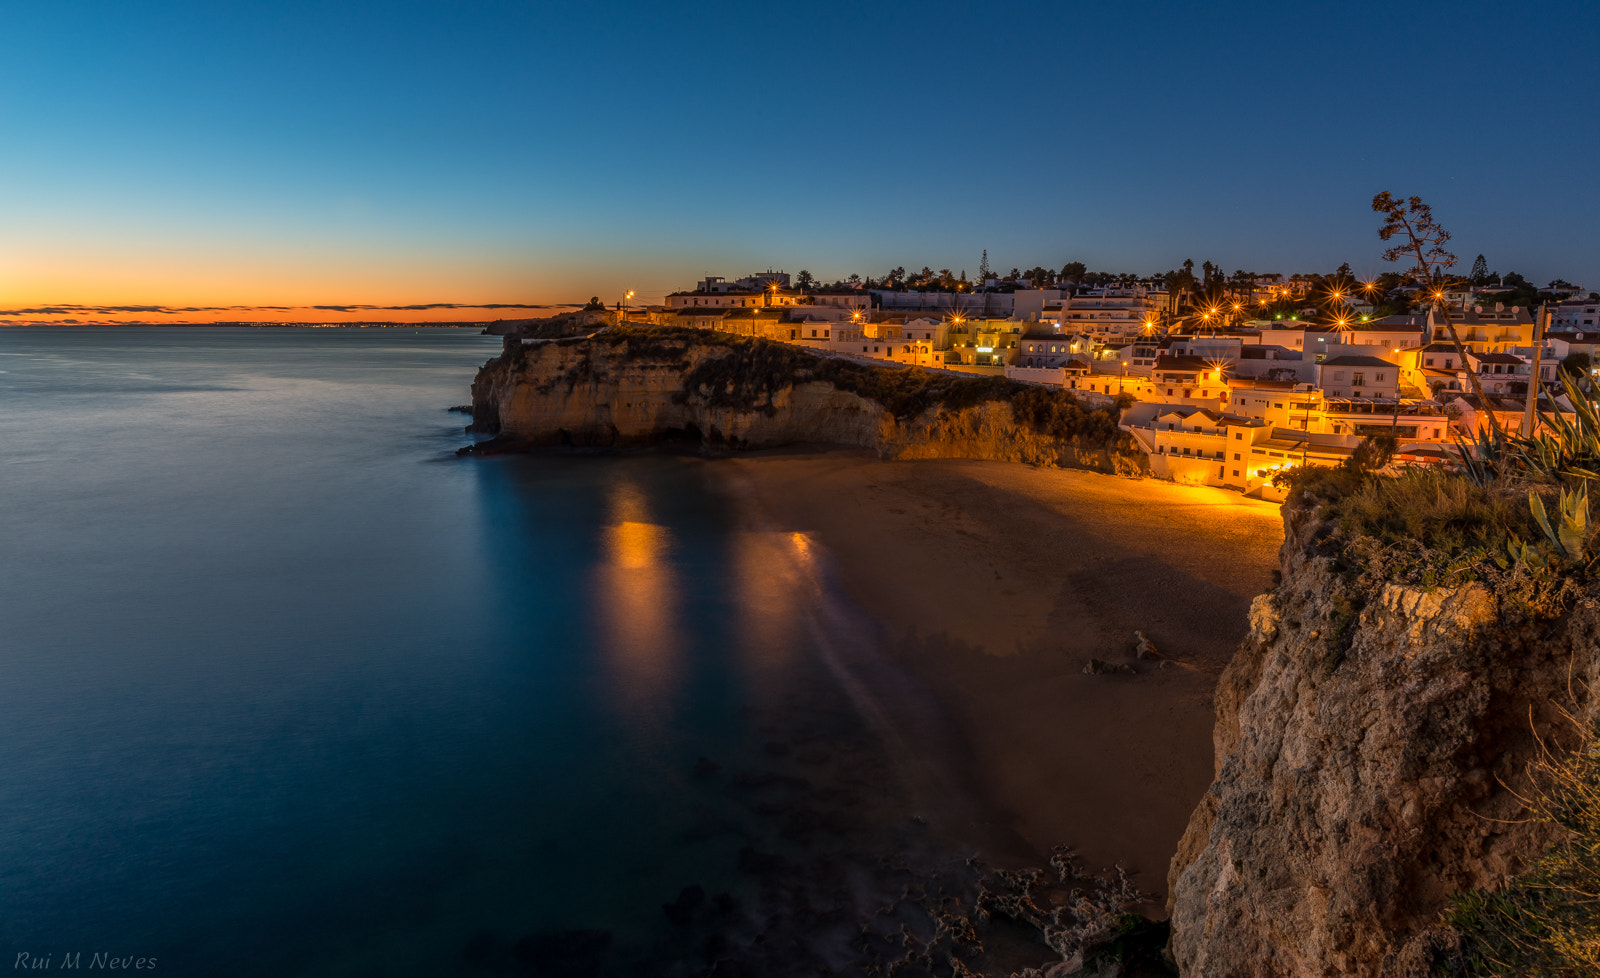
[1107,313]
[1358,376]
[1574,315]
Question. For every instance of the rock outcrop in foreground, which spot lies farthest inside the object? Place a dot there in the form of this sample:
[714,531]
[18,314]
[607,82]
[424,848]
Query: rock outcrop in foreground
[1371,741]
[636,386]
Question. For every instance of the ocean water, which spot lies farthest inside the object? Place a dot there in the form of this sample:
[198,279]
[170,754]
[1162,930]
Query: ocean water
[287,688]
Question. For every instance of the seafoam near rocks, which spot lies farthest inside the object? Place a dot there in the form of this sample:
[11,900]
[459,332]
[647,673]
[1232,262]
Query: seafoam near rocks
[1368,747]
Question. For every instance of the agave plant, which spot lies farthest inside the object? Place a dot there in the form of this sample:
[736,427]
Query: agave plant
[1564,448]
[1570,535]
[1483,455]
[1532,557]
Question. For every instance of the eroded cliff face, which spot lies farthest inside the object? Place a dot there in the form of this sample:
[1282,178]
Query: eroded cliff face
[1369,750]
[578,393]
[635,392]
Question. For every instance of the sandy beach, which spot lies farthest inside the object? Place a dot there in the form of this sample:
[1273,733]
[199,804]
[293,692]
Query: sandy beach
[993,584]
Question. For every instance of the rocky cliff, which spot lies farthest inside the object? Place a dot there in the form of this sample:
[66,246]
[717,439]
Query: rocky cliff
[1371,743]
[633,386]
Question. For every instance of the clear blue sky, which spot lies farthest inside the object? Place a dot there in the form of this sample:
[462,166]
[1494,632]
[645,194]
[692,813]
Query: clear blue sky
[509,152]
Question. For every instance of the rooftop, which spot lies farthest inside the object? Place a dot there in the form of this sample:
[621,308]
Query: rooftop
[1169,362]
[1355,361]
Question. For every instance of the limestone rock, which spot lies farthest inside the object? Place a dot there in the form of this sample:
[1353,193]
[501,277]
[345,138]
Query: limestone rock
[1364,743]
[1145,649]
[618,392]
[1263,618]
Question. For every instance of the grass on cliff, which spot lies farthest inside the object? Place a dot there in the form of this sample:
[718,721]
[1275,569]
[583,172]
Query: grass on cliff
[1545,923]
[1432,507]
[1427,527]
[756,370]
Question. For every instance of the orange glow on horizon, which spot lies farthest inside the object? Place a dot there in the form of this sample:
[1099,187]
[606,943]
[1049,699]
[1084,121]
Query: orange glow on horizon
[83,280]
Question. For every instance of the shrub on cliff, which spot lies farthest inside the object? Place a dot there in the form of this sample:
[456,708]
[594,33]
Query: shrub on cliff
[1545,923]
[1435,528]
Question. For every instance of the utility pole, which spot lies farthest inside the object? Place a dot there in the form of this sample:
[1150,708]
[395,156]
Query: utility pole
[1535,381]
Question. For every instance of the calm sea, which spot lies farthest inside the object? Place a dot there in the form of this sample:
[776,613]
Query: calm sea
[287,688]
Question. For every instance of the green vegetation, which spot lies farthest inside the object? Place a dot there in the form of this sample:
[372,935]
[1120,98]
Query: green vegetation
[1436,509]
[562,325]
[1434,528]
[1514,513]
[1545,923]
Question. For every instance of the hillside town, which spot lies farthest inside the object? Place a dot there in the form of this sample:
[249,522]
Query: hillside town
[1222,381]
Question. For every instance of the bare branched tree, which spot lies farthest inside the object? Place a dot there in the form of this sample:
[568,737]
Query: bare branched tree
[1424,244]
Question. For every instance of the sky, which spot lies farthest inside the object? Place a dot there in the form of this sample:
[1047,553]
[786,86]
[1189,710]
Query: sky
[244,161]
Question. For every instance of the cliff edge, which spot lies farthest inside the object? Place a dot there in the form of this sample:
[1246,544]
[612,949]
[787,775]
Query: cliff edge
[641,385]
[1372,742]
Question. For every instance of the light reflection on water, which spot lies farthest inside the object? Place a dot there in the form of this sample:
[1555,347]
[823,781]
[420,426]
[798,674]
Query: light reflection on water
[636,601]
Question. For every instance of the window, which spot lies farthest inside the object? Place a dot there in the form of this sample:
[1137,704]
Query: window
[1239,435]
[1377,378]
[1236,458]
[1430,361]
[1359,380]
[1235,471]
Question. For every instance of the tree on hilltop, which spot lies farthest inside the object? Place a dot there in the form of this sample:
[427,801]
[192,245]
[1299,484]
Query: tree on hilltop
[1424,246]
[983,268]
[1480,271]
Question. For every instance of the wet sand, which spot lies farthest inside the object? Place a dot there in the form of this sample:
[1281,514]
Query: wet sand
[992,584]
